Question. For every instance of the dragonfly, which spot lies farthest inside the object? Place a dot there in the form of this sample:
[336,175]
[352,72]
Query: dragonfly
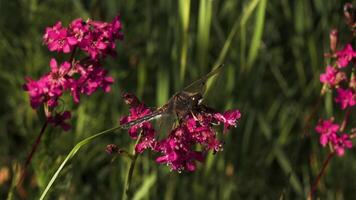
[181,103]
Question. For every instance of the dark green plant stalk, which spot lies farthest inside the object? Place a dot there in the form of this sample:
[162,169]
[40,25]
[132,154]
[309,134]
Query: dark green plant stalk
[127,194]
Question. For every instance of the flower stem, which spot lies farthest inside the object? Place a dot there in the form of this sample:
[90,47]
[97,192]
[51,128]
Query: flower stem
[321,173]
[32,152]
[344,122]
[127,193]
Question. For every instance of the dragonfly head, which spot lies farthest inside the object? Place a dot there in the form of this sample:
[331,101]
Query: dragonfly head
[196,99]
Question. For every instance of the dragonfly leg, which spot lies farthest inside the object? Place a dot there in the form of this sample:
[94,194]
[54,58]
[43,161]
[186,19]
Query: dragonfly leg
[195,118]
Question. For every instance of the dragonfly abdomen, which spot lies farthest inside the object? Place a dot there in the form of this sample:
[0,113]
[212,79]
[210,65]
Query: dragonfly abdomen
[147,118]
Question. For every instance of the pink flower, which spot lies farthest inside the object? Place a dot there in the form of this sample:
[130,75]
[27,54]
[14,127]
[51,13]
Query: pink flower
[327,129]
[340,143]
[58,39]
[78,28]
[94,37]
[90,79]
[229,118]
[178,149]
[57,75]
[59,120]
[138,110]
[345,97]
[42,91]
[345,56]
[329,77]
[98,38]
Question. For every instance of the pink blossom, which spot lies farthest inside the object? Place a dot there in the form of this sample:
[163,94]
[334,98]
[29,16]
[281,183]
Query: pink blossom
[94,37]
[327,129]
[90,79]
[329,135]
[329,77]
[345,56]
[229,118]
[178,149]
[78,28]
[138,110]
[59,119]
[98,38]
[345,97]
[42,91]
[340,143]
[58,39]
[58,74]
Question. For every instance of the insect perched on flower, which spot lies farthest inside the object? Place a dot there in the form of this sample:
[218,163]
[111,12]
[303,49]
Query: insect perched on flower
[195,126]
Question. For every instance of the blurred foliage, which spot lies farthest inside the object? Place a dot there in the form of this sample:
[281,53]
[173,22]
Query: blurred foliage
[273,55]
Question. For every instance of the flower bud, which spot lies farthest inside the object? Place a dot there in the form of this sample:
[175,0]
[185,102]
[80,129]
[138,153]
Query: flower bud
[353,81]
[349,13]
[112,149]
[340,76]
[333,39]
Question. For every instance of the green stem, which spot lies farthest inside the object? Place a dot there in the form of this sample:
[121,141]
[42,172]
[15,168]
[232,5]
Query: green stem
[127,193]
[71,155]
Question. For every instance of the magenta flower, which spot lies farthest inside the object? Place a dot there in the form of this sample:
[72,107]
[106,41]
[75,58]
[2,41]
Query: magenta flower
[91,78]
[345,97]
[327,130]
[329,77]
[178,150]
[138,110]
[85,76]
[57,76]
[340,143]
[178,153]
[58,39]
[94,37]
[78,28]
[42,91]
[59,119]
[229,118]
[345,56]
[98,38]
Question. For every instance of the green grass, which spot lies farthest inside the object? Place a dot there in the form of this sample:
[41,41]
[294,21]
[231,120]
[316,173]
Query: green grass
[273,54]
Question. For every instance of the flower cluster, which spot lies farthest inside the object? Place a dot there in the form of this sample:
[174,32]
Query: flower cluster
[329,134]
[76,76]
[336,77]
[96,38]
[339,78]
[178,150]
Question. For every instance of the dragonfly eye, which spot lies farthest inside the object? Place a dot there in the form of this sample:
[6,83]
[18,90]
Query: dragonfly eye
[200,101]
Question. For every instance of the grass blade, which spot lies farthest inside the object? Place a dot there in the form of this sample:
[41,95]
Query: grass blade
[71,154]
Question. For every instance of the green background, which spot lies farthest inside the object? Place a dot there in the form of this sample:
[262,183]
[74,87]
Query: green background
[273,55]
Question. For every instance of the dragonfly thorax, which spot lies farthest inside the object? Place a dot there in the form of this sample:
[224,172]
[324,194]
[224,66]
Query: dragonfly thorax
[183,103]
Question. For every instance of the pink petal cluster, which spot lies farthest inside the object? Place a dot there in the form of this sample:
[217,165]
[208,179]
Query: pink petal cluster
[329,135]
[94,37]
[345,97]
[345,55]
[76,76]
[340,143]
[78,80]
[178,149]
[138,110]
[329,77]
[327,129]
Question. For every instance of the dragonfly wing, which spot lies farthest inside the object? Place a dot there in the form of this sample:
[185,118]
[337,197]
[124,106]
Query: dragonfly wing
[165,125]
[199,85]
